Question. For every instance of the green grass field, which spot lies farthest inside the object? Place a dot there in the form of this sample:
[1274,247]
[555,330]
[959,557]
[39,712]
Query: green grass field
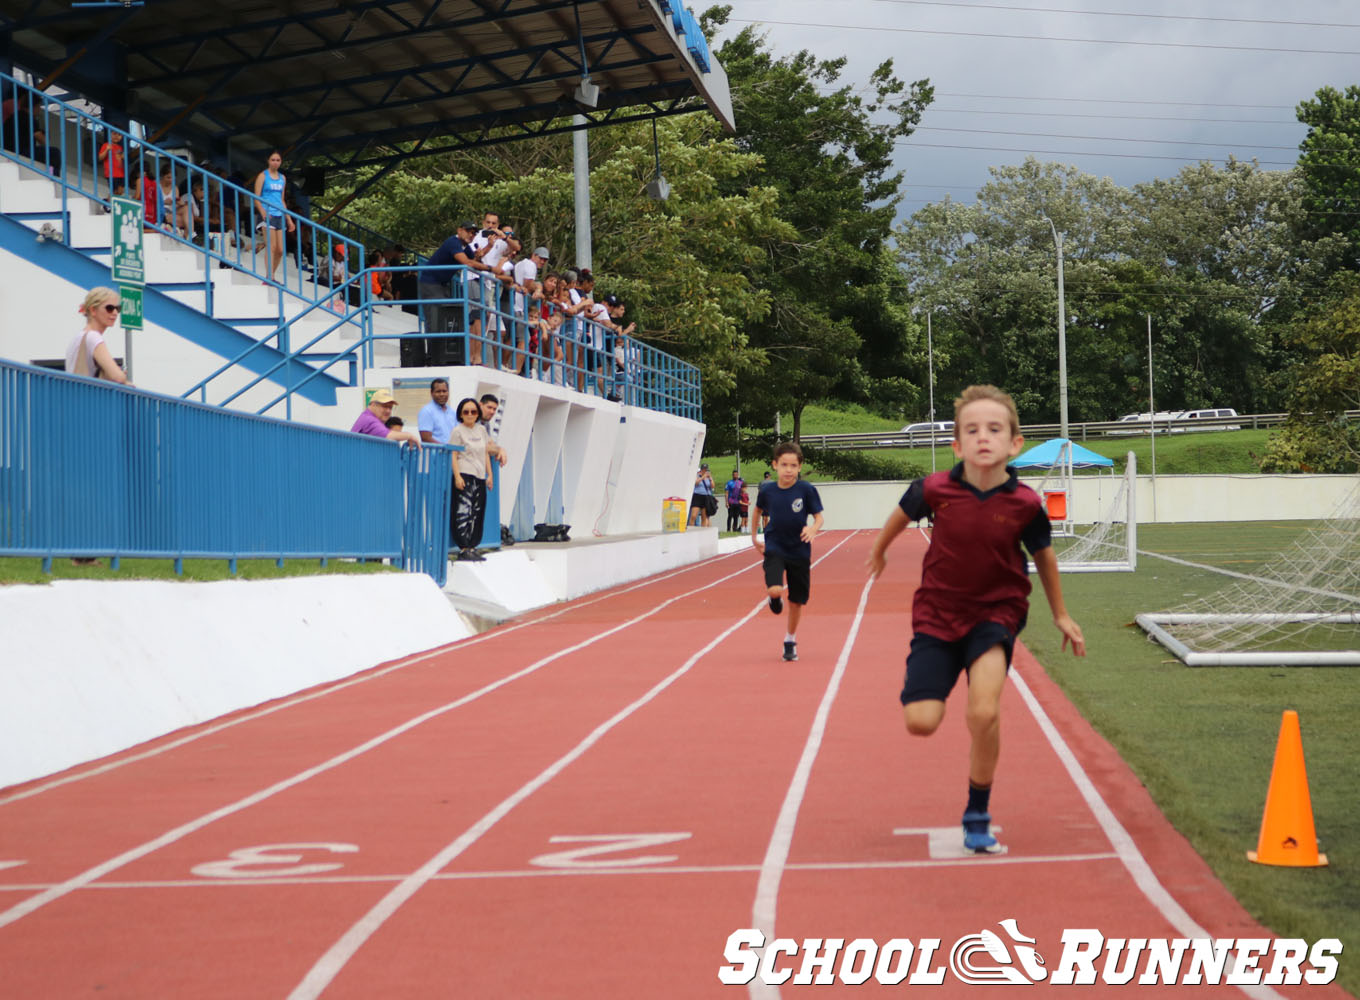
[1203,739]
[28,570]
[1204,453]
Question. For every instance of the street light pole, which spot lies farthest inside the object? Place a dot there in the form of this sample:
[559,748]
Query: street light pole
[930,364]
[1062,333]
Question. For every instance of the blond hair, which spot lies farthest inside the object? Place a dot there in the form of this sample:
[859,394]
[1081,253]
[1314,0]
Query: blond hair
[976,392]
[97,297]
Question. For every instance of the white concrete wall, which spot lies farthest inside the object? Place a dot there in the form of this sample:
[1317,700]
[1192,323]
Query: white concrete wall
[1177,498]
[619,463]
[91,668]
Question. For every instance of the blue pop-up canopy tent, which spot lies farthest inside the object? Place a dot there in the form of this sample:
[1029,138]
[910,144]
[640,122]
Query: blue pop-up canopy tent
[1050,454]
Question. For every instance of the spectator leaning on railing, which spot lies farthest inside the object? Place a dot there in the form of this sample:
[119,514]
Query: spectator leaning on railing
[436,282]
[373,420]
[87,354]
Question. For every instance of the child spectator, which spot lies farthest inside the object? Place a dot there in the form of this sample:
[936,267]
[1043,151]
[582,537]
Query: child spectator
[111,161]
[974,594]
[785,506]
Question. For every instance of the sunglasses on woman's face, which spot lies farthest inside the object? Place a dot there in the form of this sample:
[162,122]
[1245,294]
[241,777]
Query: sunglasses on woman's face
[467,409]
[112,309]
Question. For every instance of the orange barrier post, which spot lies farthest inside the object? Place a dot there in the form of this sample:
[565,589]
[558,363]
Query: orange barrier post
[1287,834]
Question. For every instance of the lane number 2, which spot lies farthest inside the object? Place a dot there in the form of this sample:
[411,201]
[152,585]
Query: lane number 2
[612,844]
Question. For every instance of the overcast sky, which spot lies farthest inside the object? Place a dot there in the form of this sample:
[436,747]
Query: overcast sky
[1132,97]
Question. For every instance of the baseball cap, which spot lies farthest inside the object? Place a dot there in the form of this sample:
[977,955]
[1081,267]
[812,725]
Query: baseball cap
[612,300]
[541,252]
[382,396]
[704,466]
[469,225]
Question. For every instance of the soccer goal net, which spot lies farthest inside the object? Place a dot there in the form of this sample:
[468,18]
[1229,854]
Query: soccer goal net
[1300,609]
[1109,544]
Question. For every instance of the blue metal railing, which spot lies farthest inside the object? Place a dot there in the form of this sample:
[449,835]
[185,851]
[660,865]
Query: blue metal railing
[90,469]
[220,221]
[467,325]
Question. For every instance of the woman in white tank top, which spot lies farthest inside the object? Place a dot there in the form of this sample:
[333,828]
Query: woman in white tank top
[87,354]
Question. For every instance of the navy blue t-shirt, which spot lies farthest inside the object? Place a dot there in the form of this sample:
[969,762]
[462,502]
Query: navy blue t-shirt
[788,510]
[446,257]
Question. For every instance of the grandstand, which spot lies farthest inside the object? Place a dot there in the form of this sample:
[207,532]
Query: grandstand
[221,329]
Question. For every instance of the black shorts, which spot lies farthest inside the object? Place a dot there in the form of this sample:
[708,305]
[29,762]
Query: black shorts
[934,665]
[799,576]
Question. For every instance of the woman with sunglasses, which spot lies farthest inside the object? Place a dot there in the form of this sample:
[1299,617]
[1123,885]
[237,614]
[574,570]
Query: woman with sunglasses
[87,354]
[472,477]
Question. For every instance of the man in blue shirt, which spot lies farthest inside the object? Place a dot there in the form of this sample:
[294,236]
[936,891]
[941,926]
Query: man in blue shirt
[437,417]
[453,253]
[785,505]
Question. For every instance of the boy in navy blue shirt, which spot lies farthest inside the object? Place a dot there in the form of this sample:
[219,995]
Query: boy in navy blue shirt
[974,593]
[784,504]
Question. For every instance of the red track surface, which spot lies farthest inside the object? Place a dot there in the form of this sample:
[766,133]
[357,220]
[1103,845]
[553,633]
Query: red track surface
[420,832]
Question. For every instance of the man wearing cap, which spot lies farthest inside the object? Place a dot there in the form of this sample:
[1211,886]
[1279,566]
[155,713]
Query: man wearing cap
[437,281]
[526,280]
[373,420]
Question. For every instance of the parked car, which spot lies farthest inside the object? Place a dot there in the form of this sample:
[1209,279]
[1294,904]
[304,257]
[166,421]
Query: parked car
[922,434]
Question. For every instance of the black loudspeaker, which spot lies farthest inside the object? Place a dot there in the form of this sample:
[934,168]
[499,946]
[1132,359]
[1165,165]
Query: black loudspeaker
[313,181]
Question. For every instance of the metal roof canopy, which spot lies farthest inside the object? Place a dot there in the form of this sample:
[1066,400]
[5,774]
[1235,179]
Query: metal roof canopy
[345,82]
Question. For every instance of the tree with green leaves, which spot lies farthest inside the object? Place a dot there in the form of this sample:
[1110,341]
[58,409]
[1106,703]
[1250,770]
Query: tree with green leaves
[1330,165]
[690,268]
[1317,436]
[839,324]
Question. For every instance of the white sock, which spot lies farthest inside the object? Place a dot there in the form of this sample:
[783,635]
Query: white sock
[790,637]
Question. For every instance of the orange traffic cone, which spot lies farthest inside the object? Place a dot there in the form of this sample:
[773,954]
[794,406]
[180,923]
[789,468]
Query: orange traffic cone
[1287,834]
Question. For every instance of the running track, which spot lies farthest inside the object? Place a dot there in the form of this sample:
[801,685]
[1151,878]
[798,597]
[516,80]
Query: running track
[586,804]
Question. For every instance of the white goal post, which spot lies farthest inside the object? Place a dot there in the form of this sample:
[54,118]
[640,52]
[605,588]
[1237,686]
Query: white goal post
[1109,544]
[1300,609]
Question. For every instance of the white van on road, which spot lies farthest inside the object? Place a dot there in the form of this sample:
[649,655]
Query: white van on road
[1178,421]
[923,434]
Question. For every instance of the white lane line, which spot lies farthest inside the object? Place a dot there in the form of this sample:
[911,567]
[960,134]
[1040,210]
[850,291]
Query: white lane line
[777,854]
[1123,843]
[329,965]
[26,907]
[809,866]
[335,686]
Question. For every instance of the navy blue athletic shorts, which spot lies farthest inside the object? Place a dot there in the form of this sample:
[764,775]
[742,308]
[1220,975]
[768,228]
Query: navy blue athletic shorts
[799,576]
[934,665]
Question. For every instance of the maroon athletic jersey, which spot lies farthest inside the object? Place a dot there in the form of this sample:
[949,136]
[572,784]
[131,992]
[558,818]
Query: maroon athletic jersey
[975,570]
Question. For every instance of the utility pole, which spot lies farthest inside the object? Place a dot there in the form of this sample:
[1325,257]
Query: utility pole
[1062,333]
[1152,421]
[930,366]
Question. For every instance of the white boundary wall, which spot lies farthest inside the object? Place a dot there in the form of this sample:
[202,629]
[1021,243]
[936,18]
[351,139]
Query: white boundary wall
[1169,499]
[92,668]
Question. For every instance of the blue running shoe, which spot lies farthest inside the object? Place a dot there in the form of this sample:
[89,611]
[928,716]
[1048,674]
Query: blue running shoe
[977,834]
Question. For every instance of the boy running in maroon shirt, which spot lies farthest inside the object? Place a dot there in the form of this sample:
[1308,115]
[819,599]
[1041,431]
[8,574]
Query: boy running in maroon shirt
[974,593]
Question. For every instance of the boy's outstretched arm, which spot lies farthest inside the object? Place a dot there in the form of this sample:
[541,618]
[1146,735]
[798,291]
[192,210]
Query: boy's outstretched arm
[1046,562]
[762,520]
[896,524]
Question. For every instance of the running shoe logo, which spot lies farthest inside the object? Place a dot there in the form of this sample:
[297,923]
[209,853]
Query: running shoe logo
[1002,968]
